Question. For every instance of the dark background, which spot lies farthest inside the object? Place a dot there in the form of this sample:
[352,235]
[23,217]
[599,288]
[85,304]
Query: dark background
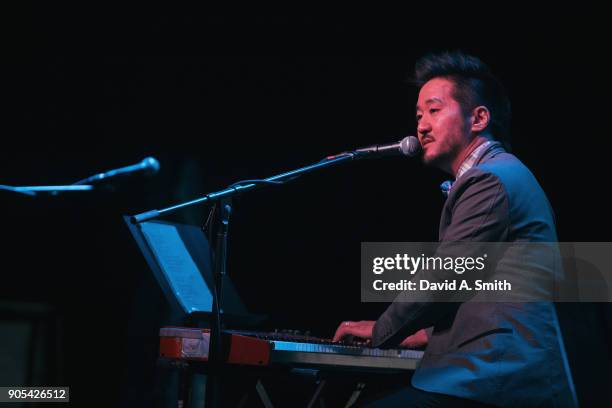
[220,97]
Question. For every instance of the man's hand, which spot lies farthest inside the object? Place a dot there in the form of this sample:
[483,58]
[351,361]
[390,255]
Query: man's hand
[418,339]
[363,330]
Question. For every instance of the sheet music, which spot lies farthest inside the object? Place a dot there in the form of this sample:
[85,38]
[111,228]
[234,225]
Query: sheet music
[178,267]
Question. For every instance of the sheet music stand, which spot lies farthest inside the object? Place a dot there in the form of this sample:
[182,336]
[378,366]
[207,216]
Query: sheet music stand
[179,257]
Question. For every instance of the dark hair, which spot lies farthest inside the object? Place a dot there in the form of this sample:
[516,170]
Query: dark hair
[474,85]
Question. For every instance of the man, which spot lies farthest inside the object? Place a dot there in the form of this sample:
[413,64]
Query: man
[478,353]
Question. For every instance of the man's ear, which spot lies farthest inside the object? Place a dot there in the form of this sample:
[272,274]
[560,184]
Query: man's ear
[481,117]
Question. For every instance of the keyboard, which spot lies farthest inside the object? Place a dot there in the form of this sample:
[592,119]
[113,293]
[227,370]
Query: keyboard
[286,348]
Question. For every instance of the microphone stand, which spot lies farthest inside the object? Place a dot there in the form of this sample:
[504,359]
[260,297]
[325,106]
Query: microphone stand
[148,164]
[246,185]
[53,190]
[215,354]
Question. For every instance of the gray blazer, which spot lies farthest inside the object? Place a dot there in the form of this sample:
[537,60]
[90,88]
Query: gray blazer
[506,354]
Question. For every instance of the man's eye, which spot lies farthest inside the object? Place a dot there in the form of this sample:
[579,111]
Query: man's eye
[433,110]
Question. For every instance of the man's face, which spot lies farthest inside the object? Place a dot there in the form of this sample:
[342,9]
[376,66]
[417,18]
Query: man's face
[442,127]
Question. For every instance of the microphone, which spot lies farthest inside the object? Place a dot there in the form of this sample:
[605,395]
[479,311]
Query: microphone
[148,166]
[408,146]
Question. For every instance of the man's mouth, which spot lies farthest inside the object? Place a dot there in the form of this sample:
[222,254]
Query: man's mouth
[426,141]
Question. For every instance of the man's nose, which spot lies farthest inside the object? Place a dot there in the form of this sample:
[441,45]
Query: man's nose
[423,128]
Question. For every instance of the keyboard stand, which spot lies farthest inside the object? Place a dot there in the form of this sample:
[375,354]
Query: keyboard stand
[193,376]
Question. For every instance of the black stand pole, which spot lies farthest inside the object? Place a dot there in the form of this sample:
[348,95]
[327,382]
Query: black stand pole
[215,354]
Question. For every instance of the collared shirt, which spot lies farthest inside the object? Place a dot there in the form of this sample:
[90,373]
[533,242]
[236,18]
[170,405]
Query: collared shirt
[468,163]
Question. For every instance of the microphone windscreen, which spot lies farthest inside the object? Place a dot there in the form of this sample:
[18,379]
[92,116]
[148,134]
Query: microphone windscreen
[410,146]
[151,164]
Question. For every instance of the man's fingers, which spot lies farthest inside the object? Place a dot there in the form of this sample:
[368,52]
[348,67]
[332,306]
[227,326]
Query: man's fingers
[362,329]
[418,339]
[342,330]
[339,332]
